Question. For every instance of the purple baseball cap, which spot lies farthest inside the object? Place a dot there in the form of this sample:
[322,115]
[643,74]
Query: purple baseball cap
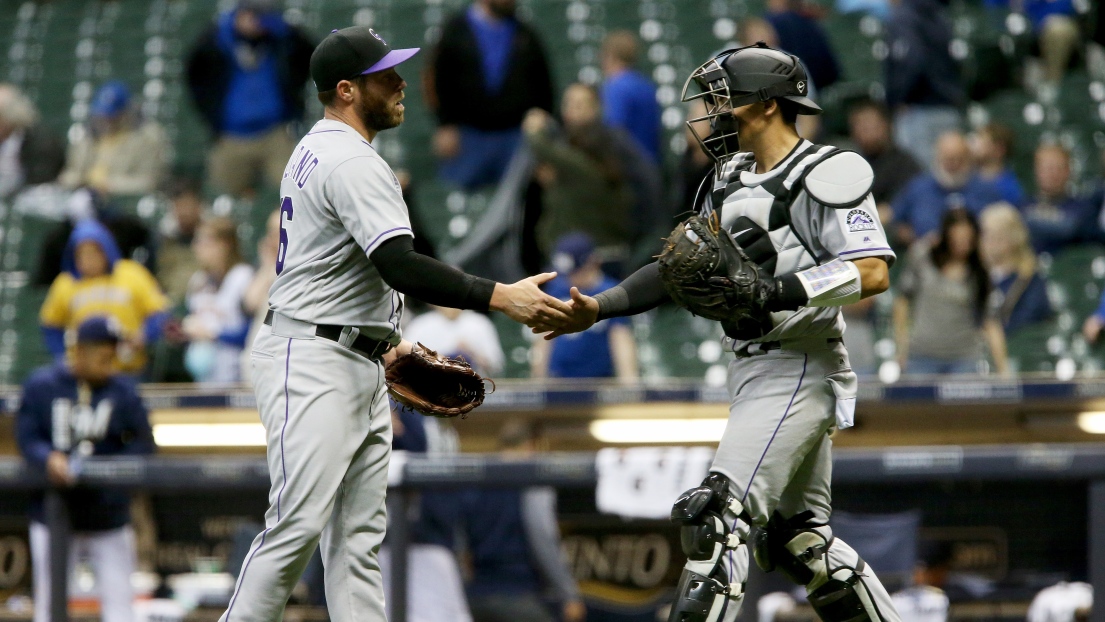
[350,52]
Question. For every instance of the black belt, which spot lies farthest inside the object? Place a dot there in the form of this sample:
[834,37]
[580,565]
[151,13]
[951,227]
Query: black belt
[759,347]
[365,346]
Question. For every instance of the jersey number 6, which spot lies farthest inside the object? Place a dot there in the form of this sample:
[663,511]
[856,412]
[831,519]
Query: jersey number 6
[285,216]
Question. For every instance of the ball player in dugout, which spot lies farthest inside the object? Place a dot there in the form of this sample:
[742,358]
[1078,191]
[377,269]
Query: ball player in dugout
[801,212]
[345,257]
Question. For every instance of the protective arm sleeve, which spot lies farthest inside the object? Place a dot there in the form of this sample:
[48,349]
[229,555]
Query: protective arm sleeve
[543,537]
[638,293]
[428,279]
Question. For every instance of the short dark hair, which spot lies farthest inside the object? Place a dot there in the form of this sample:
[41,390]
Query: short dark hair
[327,98]
[789,110]
[1002,135]
[866,103]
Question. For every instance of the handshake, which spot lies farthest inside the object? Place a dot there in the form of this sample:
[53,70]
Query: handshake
[525,303]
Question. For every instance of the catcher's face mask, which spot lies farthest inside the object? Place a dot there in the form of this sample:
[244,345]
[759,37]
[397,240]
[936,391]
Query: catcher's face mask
[786,79]
[722,142]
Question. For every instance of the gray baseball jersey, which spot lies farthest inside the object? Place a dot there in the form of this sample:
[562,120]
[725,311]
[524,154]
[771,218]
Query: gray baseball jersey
[776,448]
[339,202]
[784,229]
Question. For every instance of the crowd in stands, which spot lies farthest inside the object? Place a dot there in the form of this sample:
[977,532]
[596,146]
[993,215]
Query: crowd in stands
[597,188]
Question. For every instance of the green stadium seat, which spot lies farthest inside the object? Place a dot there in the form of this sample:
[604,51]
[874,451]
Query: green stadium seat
[1030,350]
[1072,272]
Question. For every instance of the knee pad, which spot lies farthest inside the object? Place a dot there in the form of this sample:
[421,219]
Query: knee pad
[705,593]
[803,551]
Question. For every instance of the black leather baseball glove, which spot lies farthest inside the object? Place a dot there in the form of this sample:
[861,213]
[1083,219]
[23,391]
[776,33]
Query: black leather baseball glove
[706,272]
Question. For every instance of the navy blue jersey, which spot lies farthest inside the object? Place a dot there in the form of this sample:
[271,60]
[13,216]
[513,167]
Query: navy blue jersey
[585,354]
[57,414]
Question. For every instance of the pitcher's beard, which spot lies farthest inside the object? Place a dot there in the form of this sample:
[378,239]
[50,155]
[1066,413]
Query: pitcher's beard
[379,115]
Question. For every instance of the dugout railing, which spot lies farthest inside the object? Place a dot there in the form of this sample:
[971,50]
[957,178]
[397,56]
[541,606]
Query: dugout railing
[904,465]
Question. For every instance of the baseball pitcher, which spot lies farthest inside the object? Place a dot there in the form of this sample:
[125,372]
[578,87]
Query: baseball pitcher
[344,262]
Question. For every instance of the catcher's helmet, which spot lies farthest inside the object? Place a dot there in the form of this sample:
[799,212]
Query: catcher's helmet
[739,77]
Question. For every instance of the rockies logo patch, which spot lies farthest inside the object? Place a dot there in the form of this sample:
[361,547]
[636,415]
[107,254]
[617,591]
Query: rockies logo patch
[859,220]
[378,37]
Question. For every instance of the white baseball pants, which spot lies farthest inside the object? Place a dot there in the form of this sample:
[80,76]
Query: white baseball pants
[112,555]
[328,428]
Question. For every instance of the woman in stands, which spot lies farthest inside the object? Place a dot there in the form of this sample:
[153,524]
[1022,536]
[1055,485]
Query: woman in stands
[1020,292]
[941,313]
[585,184]
[216,325]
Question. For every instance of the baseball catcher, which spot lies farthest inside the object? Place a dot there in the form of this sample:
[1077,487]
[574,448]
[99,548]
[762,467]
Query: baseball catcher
[785,233]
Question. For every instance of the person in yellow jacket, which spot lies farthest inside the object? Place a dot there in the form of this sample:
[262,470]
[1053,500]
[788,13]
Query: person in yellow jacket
[96,280]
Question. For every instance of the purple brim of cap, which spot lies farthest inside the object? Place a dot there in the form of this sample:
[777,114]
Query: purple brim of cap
[391,59]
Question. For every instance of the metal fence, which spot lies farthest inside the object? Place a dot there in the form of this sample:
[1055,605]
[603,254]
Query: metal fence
[1080,462]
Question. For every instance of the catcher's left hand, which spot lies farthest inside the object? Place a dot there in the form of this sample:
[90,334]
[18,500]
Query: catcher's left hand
[432,384]
[705,271]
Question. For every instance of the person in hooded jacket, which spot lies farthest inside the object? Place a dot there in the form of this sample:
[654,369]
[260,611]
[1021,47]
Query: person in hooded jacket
[246,75]
[96,280]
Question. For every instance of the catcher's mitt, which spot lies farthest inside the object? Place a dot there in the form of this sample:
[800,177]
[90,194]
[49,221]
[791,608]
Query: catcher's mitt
[432,384]
[706,272]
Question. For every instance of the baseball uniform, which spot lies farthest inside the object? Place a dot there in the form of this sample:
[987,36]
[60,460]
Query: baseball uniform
[792,386]
[324,405]
[60,412]
[316,362]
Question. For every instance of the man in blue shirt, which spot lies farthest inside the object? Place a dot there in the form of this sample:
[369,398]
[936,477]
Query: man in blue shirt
[992,146]
[628,96]
[1057,218]
[246,76]
[74,409]
[487,70]
[607,349]
[802,36]
[952,182]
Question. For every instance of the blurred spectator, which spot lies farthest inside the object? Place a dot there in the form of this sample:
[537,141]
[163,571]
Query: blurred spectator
[870,129]
[176,263]
[131,235]
[1020,292]
[1055,24]
[71,410]
[482,50]
[1062,602]
[453,332]
[628,96]
[246,75]
[584,180]
[95,280]
[923,85]
[607,349]
[118,153]
[802,36]
[440,600]
[1091,328]
[940,314]
[992,146]
[650,218]
[1057,217]
[255,300]
[952,183]
[925,600]
[216,325]
[29,153]
[514,543]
